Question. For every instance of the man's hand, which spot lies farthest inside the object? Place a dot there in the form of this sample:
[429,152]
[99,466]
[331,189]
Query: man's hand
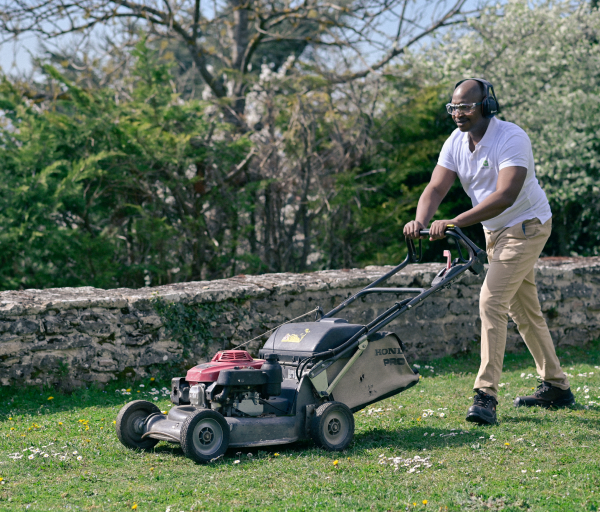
[411,230]
[438,228]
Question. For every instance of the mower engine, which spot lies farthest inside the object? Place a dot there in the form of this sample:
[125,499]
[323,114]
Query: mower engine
[233,383]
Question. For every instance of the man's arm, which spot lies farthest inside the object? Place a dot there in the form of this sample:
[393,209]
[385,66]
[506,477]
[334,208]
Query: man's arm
[431,198]
[509,185]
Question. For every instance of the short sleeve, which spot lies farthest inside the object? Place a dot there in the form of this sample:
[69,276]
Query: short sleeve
[515,151]
[446,158]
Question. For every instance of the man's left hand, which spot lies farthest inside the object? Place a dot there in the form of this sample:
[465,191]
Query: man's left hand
[438,229]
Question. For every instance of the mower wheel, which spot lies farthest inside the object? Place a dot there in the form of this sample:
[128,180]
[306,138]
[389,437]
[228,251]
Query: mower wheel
[204,435]
[130,424]
[332,426]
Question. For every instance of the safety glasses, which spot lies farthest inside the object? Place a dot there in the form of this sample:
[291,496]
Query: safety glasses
[461,108]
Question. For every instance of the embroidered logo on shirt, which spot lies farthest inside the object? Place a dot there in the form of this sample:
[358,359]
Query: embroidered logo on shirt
[485,163]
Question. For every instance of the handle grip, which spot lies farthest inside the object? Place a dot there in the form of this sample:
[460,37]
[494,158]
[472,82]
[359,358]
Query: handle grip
[425,232]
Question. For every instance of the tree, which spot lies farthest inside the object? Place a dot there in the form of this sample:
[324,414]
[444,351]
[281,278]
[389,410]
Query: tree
[225,43]
[100,190]
[544,61]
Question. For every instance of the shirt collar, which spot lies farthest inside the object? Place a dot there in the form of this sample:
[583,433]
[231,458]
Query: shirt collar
[488,136]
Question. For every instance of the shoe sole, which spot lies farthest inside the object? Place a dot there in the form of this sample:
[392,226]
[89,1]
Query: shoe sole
[566,402]
[475,418]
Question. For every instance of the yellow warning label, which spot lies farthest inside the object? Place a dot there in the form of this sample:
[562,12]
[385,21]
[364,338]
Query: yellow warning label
[294,338]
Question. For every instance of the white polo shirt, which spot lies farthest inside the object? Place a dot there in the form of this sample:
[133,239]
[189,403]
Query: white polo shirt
[503,145]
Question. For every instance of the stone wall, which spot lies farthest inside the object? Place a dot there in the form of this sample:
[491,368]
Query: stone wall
[73,336]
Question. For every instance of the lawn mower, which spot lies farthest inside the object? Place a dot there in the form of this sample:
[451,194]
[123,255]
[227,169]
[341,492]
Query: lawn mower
[310,379]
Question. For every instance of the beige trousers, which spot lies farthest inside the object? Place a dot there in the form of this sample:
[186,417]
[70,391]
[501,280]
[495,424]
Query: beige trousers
[509,287]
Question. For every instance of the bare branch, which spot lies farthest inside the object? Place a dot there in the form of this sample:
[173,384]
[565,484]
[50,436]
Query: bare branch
[395,51]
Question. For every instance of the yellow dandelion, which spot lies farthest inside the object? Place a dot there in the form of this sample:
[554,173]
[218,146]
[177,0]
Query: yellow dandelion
[275,455]
[414,503]
[336,462]
[419,418]
[134,506]
[60,422]
[10,418]
[1,479]
[50,398]
[151,379]
[424,502]
[151,469]
[128,390]
[138,391]
[506,444]
[12,428]
[114,422]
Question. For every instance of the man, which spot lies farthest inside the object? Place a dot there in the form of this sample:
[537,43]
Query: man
[494,162]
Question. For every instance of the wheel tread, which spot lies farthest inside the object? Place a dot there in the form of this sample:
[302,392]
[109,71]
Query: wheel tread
[122,425]
[187,431]
[316,428]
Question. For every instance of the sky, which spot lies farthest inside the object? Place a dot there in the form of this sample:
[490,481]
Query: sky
[15,57]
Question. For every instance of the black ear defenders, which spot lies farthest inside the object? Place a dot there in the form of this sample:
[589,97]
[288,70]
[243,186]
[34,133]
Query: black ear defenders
[489,105]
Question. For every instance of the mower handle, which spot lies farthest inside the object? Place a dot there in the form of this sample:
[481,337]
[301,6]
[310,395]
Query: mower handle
[452,232]
[475,263]
[412,257]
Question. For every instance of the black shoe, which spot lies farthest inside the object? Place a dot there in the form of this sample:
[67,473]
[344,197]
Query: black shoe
[483,410]
[547,395]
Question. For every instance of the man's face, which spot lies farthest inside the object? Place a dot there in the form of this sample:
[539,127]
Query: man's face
[467,121]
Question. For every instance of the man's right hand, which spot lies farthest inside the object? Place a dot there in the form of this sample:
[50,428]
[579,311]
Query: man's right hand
[411,230]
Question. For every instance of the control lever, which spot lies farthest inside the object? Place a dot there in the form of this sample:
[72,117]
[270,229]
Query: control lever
[446,272]
[448,255]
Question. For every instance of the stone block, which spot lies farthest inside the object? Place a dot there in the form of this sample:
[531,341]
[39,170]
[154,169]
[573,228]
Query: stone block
[577,290]
[54,324]
[24,326]
[431,310]
[149,323]
[140,339]
[128,319]
[11,348]
[5,326]
[47,362]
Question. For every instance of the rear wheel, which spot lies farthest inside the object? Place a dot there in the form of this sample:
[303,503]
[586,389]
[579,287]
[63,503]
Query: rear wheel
[332,426]
[130,424]
[204,436]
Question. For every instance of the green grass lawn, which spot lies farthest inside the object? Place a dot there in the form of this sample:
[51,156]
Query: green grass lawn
[410,452]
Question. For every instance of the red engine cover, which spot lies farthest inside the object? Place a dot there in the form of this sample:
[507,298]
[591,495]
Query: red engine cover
[225,360]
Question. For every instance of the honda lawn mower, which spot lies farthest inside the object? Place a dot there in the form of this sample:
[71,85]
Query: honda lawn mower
[310,379]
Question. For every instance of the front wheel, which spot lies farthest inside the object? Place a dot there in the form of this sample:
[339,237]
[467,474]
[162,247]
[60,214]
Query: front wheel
[204,436]
[130,424]
[332,426]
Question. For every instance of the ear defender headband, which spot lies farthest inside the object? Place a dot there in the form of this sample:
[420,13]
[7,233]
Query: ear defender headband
[489,106]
